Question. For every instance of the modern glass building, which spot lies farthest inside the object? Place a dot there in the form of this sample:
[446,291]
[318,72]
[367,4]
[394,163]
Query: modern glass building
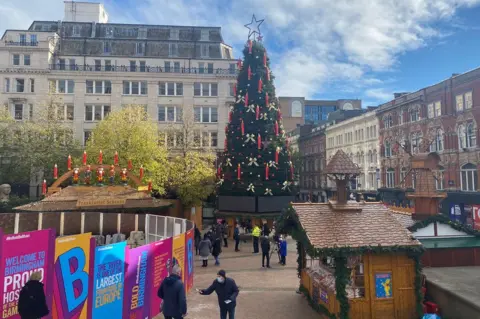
[316,113]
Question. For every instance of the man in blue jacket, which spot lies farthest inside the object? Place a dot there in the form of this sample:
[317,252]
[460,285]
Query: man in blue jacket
[227,292]
[172,292]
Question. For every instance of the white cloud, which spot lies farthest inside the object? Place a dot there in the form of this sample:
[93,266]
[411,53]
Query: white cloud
[379,94]
[314,44]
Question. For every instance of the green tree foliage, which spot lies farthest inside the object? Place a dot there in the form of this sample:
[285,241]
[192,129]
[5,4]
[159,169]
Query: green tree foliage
[242,143]
[132,134]
[30,148]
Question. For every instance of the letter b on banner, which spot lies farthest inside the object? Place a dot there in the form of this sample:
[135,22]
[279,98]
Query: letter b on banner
[75,279]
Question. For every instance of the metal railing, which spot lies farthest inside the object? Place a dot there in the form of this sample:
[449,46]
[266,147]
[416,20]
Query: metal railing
[22,43]
[161,227]
[146,69]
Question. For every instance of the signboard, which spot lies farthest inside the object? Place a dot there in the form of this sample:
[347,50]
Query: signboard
[135,303]
[22,255]
[476,216]
[108,274]
[71,285]
[189,256]
[100,202]
[383,285]
[160,265]
[178,252]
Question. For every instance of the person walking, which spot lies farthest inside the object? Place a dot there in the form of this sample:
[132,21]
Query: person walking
[256,234]
[225,233]
[32,303]
[265,251]
[283,250]
[227,292]
[198,239]
[172,293]
[204,249]
[236,236]
[217,250]
[265,228]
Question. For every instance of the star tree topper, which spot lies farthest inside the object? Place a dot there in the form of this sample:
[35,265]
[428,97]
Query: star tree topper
[254,27]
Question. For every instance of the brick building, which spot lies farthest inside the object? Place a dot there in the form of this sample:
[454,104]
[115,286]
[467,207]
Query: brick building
[441,118]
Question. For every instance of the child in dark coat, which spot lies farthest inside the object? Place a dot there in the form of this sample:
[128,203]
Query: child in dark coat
[283,251]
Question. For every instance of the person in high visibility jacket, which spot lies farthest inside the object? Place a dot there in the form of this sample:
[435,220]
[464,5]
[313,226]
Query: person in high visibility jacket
[256,235]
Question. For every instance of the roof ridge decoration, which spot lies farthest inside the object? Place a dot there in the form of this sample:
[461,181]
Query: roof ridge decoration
[341,164]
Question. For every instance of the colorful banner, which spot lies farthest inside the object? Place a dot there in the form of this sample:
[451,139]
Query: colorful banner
[108,274]
[160,265]
[71,281]
[189,258]
[135,301]
[383,285]
[178,252]
[23,254]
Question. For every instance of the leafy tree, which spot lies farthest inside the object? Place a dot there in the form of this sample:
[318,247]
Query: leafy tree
[132,134]
[256,160]
[30,148]
[192,168]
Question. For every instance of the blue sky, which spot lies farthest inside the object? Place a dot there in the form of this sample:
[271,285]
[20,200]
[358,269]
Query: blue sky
[322,49]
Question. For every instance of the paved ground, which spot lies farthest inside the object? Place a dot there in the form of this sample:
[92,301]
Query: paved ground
[264,293]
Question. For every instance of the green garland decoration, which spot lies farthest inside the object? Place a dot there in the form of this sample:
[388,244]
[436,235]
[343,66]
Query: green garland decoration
[321,309]
[288,223]
[444,220]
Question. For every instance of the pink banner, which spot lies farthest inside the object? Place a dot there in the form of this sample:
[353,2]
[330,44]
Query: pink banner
[137,277]
[159,266]
[23,254]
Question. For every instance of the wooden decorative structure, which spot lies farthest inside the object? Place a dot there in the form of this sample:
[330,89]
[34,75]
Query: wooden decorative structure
[356,259]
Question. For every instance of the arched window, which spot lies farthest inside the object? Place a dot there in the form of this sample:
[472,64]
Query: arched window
[400,117]
[388,122]
[471,135]
[439,177]
[403,174]
[370,157]
[469,177]
[375,156]
[437,143]
[388,149]
[467,135]
[415,142]
[390,178]
[462,136]
[414,113]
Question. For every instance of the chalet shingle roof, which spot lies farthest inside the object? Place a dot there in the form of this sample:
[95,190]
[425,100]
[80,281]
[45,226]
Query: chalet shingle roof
[341,164]
[373,225]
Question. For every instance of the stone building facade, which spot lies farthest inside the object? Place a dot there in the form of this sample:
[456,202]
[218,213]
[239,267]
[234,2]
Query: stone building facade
[443,118]
[94,68]
[358,138]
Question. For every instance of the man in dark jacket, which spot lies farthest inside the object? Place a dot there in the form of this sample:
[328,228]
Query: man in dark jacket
[236,236]
[265,251]
[227,292]
[32,303]
[172,292]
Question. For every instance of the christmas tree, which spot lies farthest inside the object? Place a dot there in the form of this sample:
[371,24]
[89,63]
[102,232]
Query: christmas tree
[256,160]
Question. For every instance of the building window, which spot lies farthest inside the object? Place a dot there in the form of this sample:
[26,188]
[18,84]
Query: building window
[72,65]
[139,48]
[143,66]
[205,89]
[403,175]
[415,142]
[135,88]
[76,31]
[32,85]
[205,114]
[439,178]
[201,67]
[232,68]
[23,38]
[438,109]
[19,85]
[107,47]
[98,87]
[467,137]
[98,65]
[33,39]
[173,49]
[388,121]
[464,101]
[170,113]
[390,178]
[16,59]
[18,112]
[176,67]
[62,86]
[205,139]
[414,113]
[231,89]
[133,66]
[434,109]
[86,136]
[437,143]
[142,33]
[431,111]
[65,112]
[210,68]
[172,139]
[7,85]
[469,177]
[96,112]
[170,88]
[30,111]
[108,65]
[167,66]
[388,149]
[26,59]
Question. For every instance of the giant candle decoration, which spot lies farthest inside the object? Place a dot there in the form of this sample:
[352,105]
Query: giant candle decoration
[239,172]
[260,85]
[69,163]
[279,115]
[265,57]
[266,171]
[246,100]
[268,74]
[277,151]
[84,159]
[276,128]
[259,141]
[242,127]
[150,186]
[257,112]
[230,116]
[55,171]
[130,165]
[141,172]
[100,157]
[44,187]
[225,145]
[115,159]
[249,73]
[250,44]
[235,89]
[266,99]
[239,64]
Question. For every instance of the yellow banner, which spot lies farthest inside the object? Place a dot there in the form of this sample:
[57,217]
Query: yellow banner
[179,252]
[100,202]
